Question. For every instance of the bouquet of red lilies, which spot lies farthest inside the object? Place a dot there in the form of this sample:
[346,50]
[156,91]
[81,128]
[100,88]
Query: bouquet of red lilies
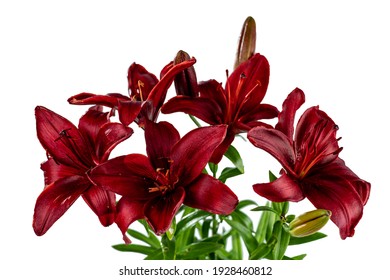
[175,190]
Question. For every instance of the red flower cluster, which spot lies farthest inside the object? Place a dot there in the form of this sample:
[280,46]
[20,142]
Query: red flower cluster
[155,185]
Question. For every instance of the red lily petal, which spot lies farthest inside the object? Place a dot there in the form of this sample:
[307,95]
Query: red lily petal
[275,143]
[223,147]
[160,138]
[282,189]
[159,212]
[130,175]
[251,90]
[129,210]
[102,203]
[61,139]
[315,138]
[209,194]
[90,123]
[85,98]
[158,93]
[259,112]
[129,110]
[141,82]
[55,200]
[286,117]
[191,154]
[53,171]
[203,108]
[109,136]
[332,191]
[213,90]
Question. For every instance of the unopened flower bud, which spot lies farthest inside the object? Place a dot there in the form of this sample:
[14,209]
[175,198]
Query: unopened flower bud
[309,222]
[247,44]
[185,81]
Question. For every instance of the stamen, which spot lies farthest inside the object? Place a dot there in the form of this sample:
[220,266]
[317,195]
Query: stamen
[140,85]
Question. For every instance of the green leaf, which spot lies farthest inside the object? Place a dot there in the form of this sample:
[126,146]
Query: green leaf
[206,228]
[146,250]
[153,242]
[229,172]
[266,208]
[306,239]
[283,237]
[246,234]
[242,218]
[244,203]
[236,246]
[263,250]
[155,255]
[196,250]
[295,258]
[234,156]
[191,220]
[168,247]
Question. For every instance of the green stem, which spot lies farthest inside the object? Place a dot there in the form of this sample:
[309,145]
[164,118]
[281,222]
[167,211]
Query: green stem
[195,121]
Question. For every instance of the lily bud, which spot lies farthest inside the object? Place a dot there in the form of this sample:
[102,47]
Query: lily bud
[247,44]
[309,222]
[185,81]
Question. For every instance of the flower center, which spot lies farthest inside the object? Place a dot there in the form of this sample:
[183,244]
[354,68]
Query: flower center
[163,182]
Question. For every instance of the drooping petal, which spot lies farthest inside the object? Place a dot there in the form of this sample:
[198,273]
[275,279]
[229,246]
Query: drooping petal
[109,136]
[102,203]
[130,175]
[55,200]
[140,81]
[128,211]
[213,90]
[159,212]
[203,108]
[223,147]
[158,93]
[259,112]
[192,152]
[53,171]
[287,116]
[160,138]
[333,192]
[209,194]
[282,189]
[61,139]
[86,98]
[275,143]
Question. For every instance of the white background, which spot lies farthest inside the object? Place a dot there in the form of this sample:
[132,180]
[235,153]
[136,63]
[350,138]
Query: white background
[337,52]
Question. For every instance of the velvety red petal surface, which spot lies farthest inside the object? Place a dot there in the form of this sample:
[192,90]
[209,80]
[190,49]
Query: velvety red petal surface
[140,81]
[203,108]
[102,203]
[129,110]
[160,138]
[159,212]
[55,200]
[109,136]
[275,143]
[85,98]
[90,123]
[282,189]
[191,154]
[62,139]
[130,175]
[209,194]
[53,171]
[128,211]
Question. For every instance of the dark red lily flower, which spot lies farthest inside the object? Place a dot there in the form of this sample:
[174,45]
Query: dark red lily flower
[311,165]
[238,104]
[155,186]
[72,152]
[147,94]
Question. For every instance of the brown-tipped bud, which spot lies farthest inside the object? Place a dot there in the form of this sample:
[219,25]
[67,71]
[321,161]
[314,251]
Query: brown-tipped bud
[247,44]
[185,81]
[309,222]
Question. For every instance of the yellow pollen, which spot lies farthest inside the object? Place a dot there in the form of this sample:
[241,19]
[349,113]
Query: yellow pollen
[140,85]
